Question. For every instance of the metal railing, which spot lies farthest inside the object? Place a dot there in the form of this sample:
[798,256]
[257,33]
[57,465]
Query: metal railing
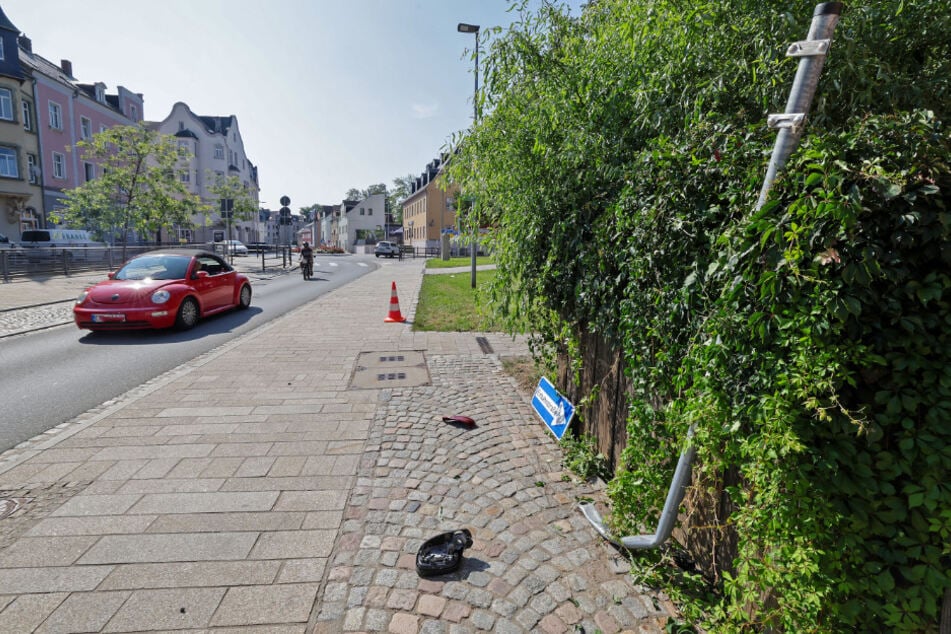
[25,262]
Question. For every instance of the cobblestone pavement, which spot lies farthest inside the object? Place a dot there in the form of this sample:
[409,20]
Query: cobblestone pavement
[535,565]
[256,489]
[17,321]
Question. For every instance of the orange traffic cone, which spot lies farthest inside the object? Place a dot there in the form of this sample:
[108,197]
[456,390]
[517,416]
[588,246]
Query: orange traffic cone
[395,314]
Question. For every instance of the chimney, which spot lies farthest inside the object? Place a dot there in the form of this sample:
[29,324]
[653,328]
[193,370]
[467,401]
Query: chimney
[67,66]
[26,44]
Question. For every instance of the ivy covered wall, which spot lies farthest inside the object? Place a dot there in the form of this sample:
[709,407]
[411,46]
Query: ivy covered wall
[619,160]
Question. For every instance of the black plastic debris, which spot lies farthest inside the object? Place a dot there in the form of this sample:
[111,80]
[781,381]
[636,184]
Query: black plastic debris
[459,421]
[442,554]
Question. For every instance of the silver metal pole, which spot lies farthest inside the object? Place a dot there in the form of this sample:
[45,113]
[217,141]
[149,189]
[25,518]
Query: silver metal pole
[812,53]
[812,56]
[475,120]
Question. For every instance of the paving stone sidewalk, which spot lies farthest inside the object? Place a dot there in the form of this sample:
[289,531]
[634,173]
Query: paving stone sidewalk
[256,490]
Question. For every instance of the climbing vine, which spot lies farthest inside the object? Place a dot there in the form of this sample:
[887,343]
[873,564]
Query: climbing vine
[618,165]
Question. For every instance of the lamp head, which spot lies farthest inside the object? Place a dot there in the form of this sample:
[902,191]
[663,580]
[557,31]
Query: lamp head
[467,28]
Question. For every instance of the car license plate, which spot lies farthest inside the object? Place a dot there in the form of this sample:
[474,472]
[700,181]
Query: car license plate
[101,317]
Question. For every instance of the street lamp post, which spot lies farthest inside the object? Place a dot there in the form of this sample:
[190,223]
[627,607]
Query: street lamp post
[473,28]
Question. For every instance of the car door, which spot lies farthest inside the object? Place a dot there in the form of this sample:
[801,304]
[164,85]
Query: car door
[217,289]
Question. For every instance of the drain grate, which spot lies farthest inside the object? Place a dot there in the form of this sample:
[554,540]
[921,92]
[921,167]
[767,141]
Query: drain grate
[375,370]
[392,376]
[484,345]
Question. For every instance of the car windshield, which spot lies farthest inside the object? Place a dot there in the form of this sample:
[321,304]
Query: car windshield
[155,267]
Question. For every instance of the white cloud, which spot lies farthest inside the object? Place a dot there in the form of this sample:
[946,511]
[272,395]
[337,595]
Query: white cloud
[425,110]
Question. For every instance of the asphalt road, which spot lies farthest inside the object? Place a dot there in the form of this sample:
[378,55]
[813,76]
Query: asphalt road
[54,375]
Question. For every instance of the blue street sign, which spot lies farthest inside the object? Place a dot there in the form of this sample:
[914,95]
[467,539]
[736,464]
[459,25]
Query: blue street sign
[553,408]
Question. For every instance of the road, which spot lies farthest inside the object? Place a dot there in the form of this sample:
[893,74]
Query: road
[54,375]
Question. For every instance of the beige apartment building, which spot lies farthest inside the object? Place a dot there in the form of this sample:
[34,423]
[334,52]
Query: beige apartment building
[429,210]
[21,192]
[217,150]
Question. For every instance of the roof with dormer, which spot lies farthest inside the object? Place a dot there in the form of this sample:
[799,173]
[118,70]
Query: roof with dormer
[10,64]
[6,24]
[220,125]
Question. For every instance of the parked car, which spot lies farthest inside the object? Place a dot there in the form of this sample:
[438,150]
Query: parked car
[389,249]
[161,289]
[6,244]
[48,243]
[234,247]
[259,247]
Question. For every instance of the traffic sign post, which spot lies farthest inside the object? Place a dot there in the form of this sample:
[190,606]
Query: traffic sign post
[284,220]
[227,211]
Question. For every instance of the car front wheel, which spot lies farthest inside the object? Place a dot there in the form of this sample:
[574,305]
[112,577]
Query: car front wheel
[244,299]
[187,315]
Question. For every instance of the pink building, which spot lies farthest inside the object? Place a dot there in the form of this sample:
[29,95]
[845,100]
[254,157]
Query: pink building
[68,112]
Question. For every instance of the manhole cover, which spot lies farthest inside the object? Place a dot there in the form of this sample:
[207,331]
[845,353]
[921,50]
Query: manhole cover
[375,370]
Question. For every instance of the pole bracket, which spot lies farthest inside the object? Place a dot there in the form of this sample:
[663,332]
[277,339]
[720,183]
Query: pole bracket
[794,120]
[808,48]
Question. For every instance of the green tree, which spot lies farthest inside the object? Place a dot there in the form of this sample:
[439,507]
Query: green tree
[402,186]
[230,188]
[309,213]
[359,194]
[138,190]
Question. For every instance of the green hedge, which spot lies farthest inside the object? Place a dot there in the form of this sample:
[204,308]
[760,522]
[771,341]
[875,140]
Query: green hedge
[619,161]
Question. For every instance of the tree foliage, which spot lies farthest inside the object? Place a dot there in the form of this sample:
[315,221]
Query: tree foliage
[243,206]
[138,188]
[619,161]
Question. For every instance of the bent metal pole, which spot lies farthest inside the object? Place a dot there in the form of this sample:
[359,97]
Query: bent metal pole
[812,56]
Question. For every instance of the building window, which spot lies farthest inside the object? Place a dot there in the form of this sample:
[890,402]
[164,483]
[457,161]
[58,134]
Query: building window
[370,211]
[8,163]
[2,54]
[90,170]
[27,109]
[6,104]
[56,116]
[102,128]
[184,176]
[59,165]
[363,211]
[31,169]
[219,152]
[85,127]
[135,113]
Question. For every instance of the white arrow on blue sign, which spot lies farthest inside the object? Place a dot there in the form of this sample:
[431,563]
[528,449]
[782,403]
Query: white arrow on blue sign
[553,408]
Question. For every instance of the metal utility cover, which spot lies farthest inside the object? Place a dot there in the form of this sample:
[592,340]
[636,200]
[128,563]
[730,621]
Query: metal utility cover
[375,370]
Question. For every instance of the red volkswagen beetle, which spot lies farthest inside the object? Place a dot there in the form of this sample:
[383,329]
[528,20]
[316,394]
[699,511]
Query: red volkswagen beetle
[160,289]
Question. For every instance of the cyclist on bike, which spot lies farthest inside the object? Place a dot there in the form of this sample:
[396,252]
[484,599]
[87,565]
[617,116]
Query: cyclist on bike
[307,258]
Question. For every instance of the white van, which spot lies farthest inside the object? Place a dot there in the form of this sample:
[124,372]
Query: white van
[51,242]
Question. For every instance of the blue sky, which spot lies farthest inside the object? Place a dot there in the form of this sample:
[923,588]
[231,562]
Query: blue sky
[329,94]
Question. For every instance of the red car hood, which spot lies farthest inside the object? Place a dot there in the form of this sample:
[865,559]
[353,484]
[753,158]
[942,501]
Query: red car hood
[125,291]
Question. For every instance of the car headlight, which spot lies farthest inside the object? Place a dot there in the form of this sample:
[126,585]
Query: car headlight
[160,297]
[82,297]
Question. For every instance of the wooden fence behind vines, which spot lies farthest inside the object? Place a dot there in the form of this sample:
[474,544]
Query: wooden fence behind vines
[600,398]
